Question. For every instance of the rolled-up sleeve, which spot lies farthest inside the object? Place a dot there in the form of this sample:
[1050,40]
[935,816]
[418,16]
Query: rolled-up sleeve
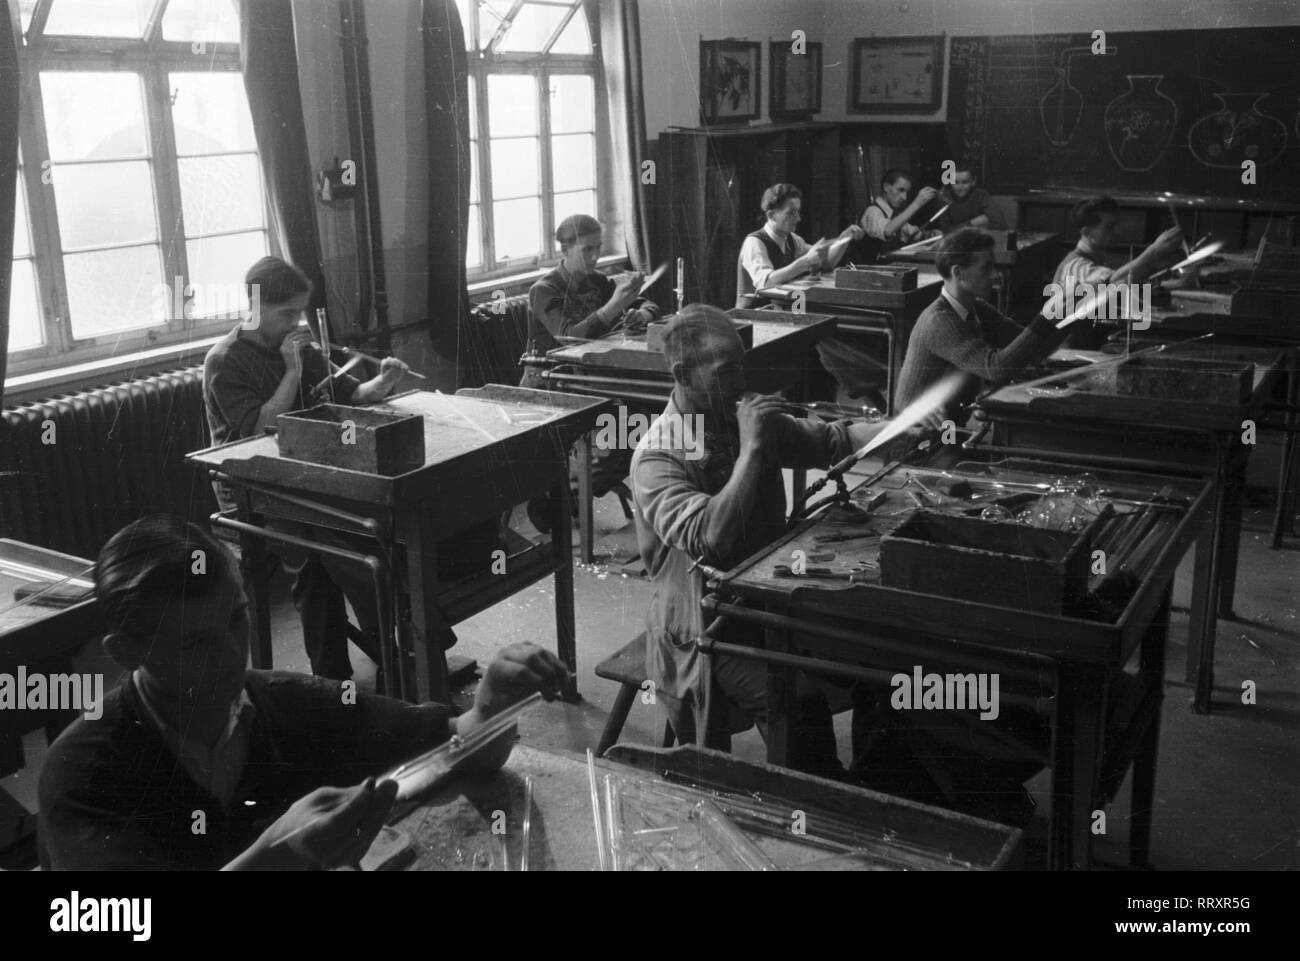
[754,258]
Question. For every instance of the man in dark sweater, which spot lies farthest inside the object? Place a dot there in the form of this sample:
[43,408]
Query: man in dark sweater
[196,763]
[266,367]
[961,331]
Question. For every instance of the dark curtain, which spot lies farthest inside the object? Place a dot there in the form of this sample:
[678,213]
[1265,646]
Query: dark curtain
[620,52]
[446,106]
[9,99]
[269,56]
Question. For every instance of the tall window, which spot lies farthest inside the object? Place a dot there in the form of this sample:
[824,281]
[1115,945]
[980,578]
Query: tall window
[538,132]
[140,198]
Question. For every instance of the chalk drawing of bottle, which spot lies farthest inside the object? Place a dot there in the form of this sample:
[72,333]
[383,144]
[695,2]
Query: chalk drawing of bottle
[1140,123]
[1062,106]
[1237,131]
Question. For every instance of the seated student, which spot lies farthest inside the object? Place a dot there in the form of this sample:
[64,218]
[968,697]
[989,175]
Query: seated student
[962,331]
[706,478]
[775,254]
[575,300]
[887,219]
[968,205]
[261,369]
[196,761]
[1095,219]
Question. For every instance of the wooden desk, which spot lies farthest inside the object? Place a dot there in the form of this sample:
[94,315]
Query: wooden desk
[864,314]
[452,828]
[43,639]
[624,369]
[486,450]
[1085,417]
[1028,266]
[1067,668]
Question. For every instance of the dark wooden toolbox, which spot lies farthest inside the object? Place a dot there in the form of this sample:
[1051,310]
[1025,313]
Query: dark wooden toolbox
[357,438]
[878,277]
[1199,380]
[991,562]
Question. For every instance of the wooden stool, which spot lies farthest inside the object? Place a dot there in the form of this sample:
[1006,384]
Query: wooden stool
[627,666]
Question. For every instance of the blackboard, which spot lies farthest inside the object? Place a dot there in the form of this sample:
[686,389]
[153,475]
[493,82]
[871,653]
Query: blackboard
[1177,110]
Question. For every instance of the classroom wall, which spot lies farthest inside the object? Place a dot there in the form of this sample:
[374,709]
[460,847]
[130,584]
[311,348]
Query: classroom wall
[671,31]
[397,94]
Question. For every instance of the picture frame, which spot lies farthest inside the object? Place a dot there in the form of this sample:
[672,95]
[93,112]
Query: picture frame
[731,81]
[897,75]
[796,81]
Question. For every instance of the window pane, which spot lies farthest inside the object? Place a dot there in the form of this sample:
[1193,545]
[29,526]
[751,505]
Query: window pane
[217,267]
[576,37]
[211,113]
[25,10]
[573,161]
[490,15]
[514,167]
[101,204]
[578,202]
[95,18]
[112,290]
[213,21]
[93,116]
[24,314]
[22,225]
[518,224]
[532,27]
[512,104]
[573,104]
[220,194]
[473,258]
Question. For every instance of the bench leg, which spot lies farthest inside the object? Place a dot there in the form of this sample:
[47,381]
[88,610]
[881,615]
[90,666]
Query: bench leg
[617,718]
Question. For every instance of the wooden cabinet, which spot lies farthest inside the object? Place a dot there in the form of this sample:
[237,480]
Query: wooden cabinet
[710,183]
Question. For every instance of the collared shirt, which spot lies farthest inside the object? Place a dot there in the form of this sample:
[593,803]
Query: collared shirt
[961,310]
[673,483]
[756,262]
[216,768]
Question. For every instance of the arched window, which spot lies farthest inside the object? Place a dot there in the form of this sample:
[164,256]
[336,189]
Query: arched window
[538,125]
[140,198]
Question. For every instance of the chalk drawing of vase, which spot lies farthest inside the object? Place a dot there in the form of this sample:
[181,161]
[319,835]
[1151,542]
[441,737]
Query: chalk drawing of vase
[1140,123]
[1237,131]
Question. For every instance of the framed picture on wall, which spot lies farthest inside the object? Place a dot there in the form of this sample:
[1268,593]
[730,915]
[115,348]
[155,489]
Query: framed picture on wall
[796,85]
[897,75]
[731,77]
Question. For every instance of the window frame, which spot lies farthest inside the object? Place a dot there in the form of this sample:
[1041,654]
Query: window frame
[542,66]
[152,59]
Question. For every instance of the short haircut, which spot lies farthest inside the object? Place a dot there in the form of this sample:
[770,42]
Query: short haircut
[575,226]
[150,560]
[1087,213]
[894,175]
[277,281]
[959,248]
[687,336]
[963,166]
[776,196]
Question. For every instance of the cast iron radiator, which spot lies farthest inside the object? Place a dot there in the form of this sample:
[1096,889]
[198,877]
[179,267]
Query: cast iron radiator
[497,333]
[117,454]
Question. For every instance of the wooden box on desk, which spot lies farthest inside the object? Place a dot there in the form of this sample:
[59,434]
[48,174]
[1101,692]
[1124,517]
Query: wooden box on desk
[989,562]
[880,277]
[1199,379]
[354,438]
[654,333]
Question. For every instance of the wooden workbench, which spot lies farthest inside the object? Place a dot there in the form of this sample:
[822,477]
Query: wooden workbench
[623,368]
[451,828]
[1069,668]
[866,314]
[486,450]
[1083,416]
